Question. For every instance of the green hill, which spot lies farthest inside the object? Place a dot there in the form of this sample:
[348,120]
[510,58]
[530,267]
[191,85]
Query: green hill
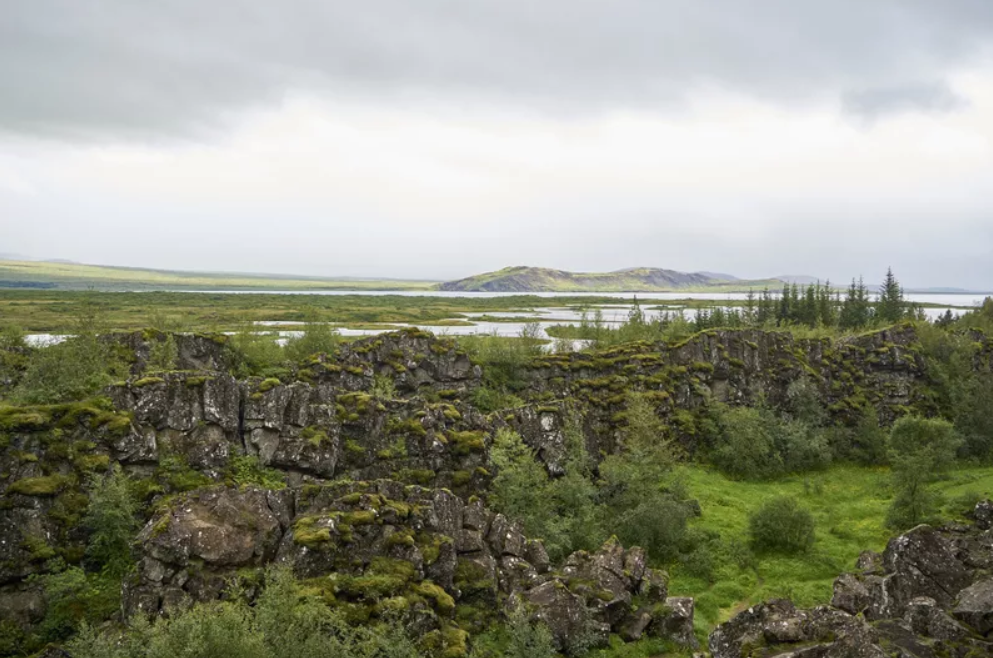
[77,276]
[641,279]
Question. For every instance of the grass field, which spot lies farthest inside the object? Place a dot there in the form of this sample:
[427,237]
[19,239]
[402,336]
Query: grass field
[53,310]
[849,506]
[75,276]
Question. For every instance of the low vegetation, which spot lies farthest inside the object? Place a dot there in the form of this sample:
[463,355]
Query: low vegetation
[740,503]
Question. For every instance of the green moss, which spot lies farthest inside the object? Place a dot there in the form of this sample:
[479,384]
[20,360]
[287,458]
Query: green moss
[460,478]
[147,381]
[467,442]
[178,475]
[248,469]
[114,422]
[46,485]
[359,517]
[306,532]
[402,537]
[268,384]
[418,476]
[37,548]
[472,578]
[440,599]
[161,525]
[87,463]
[194,382]
[354,447]
[25,418]
[430,546]
[314,435]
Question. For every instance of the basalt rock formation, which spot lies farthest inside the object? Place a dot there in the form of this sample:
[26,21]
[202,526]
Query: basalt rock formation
[381,546]
[929,595]
[375,495]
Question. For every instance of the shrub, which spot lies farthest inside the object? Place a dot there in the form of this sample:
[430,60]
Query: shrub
[781,526]
[527,639]
[73,598]
[284,622]
[248,469]
[255,354]
[746,444]
[111,518]
[316,338]
[163,354]
[73,369]
[804,447]
[931,442]
[383,388]
[867,443]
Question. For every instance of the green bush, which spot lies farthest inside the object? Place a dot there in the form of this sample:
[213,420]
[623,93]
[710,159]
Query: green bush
[112,520]
[74,369]
[746,444]
[162,354]
[255,354]
[283,622]
[930,441]
[316,338]
[780,525]
[921,450]
[527,639]
[74,598]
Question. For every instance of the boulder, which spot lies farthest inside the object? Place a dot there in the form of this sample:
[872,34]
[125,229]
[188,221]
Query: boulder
[674,621]
[778,628]
[983,515]
[975,607]
[924,617]
[922,563]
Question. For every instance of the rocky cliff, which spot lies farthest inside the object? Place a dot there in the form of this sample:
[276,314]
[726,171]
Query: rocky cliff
[367,472]
[929,595]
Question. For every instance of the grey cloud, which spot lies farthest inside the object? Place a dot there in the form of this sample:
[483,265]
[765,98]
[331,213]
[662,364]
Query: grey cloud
[120,68]
[873,103]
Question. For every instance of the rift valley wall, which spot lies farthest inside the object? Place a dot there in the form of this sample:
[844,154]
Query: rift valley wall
[394,477]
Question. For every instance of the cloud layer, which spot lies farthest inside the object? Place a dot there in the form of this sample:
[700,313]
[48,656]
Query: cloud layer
[117,68]
[444,137]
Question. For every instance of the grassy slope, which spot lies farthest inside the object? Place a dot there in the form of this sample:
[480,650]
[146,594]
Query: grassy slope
[849,506]
[78,276]
[545,280]
[53,310]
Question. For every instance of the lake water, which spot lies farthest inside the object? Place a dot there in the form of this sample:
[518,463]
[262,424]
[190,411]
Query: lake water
[552,315]
[943,299]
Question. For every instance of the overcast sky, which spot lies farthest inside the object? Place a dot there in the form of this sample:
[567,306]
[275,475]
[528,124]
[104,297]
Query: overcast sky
[440,138]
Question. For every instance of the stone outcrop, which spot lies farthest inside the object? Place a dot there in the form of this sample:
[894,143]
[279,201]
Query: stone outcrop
[391,410]
[885,369]
[928,595]
[382,545]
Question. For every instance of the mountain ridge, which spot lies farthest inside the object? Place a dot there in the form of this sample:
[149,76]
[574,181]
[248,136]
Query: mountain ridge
[638,279]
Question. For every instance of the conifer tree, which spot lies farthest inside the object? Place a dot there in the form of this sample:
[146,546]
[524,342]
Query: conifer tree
[891,306]
[785,309]
[808,310]
[825,305]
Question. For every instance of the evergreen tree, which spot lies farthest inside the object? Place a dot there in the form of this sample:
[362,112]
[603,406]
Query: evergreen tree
[766,308]
[808,309]
[748,313]
[825,305]
[785,309]
[856,311]
[891,306]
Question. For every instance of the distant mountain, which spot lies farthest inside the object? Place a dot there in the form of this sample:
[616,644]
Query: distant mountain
[641,279]
[718,276]
[799,279]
